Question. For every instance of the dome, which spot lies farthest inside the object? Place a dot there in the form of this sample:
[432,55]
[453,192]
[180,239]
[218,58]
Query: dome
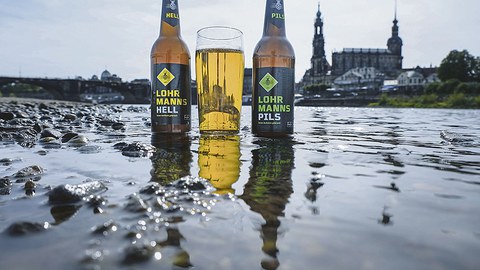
[395,40]
[106,75]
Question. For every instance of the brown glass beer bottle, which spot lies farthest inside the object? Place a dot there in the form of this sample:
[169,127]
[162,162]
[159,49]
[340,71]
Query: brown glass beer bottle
[273,77]
[170,67]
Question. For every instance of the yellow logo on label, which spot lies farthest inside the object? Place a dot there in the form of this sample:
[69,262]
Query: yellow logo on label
[165,77]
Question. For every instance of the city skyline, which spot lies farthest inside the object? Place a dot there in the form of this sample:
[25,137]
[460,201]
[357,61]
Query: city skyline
[57,39]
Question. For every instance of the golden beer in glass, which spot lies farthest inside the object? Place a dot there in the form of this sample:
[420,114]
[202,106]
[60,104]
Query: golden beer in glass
[219,65]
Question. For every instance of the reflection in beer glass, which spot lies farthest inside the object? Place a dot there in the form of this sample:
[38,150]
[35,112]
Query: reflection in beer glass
[268,190]
[172,159]
[219,161]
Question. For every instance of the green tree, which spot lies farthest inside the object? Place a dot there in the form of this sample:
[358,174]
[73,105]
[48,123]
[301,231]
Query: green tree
[460,65]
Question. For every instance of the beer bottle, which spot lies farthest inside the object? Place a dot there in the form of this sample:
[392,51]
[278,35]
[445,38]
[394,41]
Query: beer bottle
[273,77]
[170,67]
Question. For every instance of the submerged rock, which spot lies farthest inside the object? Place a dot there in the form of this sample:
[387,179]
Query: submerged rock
[5,182]
[68,136]
[63,213]
[192,184]
[7,116]
[29,171]
[105,228]
[138,253]
[118,126]
[24,228]
[24,136]
[50,133]
[78,141]
[66,194]
[5,191]
[137,149]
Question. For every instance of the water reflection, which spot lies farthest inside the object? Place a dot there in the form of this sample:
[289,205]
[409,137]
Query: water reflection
[181,258]
[172,158]
[219,161]
[268,190]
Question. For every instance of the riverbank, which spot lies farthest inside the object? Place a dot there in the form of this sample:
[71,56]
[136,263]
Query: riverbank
[453,101]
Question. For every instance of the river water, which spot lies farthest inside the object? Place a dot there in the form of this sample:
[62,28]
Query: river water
[354,188]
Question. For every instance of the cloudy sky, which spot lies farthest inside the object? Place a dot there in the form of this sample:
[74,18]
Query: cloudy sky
[58,38]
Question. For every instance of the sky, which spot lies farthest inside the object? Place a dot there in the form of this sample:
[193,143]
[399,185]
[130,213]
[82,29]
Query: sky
[65,39]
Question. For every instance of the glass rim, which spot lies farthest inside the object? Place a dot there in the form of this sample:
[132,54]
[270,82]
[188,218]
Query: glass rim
[238,35]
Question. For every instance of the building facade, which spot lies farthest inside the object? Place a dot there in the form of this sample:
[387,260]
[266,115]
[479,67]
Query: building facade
[360,78]
[388,61]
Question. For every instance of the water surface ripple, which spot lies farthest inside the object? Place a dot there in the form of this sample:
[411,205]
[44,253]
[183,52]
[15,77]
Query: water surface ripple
[352,189]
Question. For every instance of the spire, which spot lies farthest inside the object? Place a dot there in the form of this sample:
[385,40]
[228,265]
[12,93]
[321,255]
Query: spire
[395,10]
[319,14]
[395,22]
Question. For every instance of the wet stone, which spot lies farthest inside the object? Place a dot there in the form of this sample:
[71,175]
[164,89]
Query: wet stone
[106,122]
[5,182]
[152,189]
[68,136]
[25,137]
[30,185]
[63,213]
[69,117]
[192,184]
[136,204]
[137,149]
[106,228]
[46,140]
[90,149]
[30,171]
[65,194]
[25,228]
[118,126]
[138,253]
[21,114]
[95,201]
[37,127]
[21,122]
[78,141]
[5,191]
[120,145]
[50,133]
[42,153]
[7,116]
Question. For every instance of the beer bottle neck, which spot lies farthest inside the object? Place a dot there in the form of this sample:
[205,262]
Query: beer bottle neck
[170,24]
[274,19]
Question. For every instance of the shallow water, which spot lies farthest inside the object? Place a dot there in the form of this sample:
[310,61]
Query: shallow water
[353,189]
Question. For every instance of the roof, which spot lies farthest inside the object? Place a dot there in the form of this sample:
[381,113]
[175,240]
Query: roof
[365,50]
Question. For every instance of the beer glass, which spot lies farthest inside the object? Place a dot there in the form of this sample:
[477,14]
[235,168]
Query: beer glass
[219,65]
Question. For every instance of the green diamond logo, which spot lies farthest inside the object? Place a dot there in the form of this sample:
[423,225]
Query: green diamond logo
[268,82]
[165,77]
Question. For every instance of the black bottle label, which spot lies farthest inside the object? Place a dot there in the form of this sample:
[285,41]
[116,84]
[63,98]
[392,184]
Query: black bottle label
[170,12]
[273,100]
[170,94]
[276,13]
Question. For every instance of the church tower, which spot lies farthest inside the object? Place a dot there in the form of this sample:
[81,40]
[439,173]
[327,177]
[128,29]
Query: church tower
[395,43]
[319,61]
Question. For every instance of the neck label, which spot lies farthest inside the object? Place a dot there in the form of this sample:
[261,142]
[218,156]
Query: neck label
[170,12]
[276,13]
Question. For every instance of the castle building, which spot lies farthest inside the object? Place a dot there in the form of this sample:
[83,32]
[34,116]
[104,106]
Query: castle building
[388,61]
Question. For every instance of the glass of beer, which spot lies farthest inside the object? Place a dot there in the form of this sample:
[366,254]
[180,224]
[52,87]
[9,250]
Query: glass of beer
[219,65]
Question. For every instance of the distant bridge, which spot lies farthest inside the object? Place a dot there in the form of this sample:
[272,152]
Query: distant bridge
[72,89]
